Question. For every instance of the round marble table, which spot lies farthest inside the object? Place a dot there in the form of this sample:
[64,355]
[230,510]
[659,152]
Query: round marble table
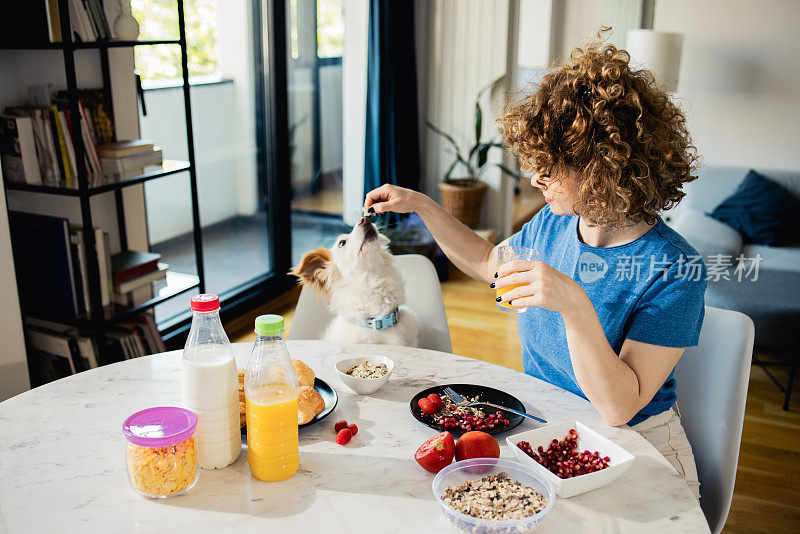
[62,458]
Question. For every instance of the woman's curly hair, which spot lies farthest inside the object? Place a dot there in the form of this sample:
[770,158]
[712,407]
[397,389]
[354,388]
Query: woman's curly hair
[614,126]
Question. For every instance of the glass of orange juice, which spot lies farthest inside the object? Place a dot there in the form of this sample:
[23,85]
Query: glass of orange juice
[506,254]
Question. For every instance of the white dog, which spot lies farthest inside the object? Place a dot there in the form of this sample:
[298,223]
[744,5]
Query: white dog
[361,286]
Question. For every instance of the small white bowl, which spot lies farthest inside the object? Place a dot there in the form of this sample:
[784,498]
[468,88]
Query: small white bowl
[588,439]
[364,386]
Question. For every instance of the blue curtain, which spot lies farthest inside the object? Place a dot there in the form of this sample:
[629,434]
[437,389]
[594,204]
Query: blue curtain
[392,135]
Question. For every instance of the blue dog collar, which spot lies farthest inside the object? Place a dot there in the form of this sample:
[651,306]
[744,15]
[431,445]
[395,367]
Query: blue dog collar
[382,323]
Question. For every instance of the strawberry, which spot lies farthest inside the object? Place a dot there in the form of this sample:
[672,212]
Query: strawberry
[339,426]
[344,436]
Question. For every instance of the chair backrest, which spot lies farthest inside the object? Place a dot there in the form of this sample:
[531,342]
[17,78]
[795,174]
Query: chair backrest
[423,295]
[712,390]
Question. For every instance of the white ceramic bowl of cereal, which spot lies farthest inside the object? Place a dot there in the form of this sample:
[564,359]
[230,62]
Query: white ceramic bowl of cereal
[588,439]
[475,469]
[365,365]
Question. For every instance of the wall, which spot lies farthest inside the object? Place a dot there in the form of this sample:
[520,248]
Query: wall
[13,364]
[354,91]
[462,49]
[739,79]
[534,33]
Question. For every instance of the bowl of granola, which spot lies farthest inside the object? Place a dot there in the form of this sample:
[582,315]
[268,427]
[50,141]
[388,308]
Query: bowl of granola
[493,495]
[366,374]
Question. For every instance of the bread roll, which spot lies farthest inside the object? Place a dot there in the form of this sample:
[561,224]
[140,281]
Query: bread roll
[309,404]
[242,406]
[305,375]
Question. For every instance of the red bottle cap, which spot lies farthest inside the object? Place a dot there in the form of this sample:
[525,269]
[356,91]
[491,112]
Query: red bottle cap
[205,303]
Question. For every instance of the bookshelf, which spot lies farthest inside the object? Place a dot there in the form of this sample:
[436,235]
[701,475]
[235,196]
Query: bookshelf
[98,321]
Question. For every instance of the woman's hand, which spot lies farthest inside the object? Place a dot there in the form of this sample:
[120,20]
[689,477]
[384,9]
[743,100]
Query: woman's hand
[393,198]
[543,286]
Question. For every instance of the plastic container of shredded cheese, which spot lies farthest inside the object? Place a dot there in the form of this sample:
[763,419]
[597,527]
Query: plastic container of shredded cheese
[161,451]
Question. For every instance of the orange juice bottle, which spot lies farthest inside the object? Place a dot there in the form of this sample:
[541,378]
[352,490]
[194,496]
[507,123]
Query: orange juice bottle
[270,388]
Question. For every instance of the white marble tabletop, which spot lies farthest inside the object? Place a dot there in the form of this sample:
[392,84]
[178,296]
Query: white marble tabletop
[62,458]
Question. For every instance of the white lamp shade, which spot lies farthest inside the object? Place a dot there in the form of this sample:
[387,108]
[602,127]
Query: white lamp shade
[659,52]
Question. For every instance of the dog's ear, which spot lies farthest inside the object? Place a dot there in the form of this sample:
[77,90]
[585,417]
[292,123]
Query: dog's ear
[315,269]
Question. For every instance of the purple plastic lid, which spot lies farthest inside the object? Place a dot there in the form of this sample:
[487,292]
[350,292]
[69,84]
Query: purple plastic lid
[160,427]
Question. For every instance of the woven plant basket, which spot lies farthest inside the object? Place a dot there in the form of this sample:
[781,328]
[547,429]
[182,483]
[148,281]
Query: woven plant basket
[463,199]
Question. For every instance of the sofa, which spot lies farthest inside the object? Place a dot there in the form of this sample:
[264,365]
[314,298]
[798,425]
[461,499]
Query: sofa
[709,236]
[772,298]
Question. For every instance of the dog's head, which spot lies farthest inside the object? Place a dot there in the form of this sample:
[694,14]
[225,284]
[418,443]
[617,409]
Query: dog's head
[360,254]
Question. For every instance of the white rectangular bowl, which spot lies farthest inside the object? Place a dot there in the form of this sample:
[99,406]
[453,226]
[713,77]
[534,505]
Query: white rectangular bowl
[588,439]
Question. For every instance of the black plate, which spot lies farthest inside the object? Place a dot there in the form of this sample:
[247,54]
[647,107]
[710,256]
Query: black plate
[327,393]
[485,393]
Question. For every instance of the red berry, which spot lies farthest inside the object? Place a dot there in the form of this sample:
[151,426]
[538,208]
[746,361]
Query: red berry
[339,426]
[353,428]
[344,436]
[436,400]
[427,407]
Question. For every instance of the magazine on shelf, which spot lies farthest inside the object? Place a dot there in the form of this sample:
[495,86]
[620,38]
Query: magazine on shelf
[44,265]
[18,149]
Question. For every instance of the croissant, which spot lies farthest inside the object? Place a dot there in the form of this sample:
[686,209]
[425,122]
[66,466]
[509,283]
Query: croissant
[305,375]
[309,404]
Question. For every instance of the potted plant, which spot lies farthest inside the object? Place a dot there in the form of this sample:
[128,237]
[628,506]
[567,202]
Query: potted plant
[463,196]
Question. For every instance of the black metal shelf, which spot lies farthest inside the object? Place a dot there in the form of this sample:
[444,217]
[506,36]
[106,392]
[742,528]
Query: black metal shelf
[152,172]
[175,284]
[87,45]
[97,322]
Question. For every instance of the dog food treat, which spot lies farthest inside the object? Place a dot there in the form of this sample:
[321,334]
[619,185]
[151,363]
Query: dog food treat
[367,370]
[495,497]
[161,471]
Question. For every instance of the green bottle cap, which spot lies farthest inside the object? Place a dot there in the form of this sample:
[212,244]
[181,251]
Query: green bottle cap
[269,325]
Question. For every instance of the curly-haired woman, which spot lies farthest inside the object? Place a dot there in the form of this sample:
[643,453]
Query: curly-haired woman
[609,150]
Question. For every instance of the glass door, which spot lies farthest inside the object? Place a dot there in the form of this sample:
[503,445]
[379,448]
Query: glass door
[234,111]
[315,46]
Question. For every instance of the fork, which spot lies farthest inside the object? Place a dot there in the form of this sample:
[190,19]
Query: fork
[461,401]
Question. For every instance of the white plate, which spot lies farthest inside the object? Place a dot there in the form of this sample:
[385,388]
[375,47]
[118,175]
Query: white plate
[364,386]
[588,439]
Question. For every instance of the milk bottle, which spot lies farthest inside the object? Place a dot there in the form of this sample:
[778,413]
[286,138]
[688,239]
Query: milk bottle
[210,387]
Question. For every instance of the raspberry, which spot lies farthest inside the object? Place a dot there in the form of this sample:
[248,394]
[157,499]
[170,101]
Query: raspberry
[353,428]
[344,436]
[339,426]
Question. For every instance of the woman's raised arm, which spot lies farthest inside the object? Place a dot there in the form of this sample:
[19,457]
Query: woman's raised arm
[467,250]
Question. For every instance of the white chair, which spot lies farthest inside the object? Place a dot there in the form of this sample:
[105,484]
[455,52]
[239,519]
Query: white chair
[712,390]
[423,295]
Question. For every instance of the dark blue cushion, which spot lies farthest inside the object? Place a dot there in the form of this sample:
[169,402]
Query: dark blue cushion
[763,211]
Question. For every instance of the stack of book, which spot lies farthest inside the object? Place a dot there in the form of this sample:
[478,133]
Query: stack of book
[52,268]
[37,143]
[126,159]
[58,350]
[133,271]
[39,21]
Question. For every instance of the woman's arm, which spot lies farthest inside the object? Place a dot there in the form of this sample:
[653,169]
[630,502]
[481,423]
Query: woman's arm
[618,386]
[467,250]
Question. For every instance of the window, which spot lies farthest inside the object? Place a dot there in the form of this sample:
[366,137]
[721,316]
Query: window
[158,19]
[330,28]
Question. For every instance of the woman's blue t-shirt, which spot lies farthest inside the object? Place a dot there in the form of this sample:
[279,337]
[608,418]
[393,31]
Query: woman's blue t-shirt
[650,290]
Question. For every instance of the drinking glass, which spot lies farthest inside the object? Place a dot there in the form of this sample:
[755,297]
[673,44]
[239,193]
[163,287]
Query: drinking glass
[506,254]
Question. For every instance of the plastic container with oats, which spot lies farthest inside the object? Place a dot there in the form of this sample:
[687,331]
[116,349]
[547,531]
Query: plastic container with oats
[161,452]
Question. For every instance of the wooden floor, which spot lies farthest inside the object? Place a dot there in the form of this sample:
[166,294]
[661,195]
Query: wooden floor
[767,494]
[328,200]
